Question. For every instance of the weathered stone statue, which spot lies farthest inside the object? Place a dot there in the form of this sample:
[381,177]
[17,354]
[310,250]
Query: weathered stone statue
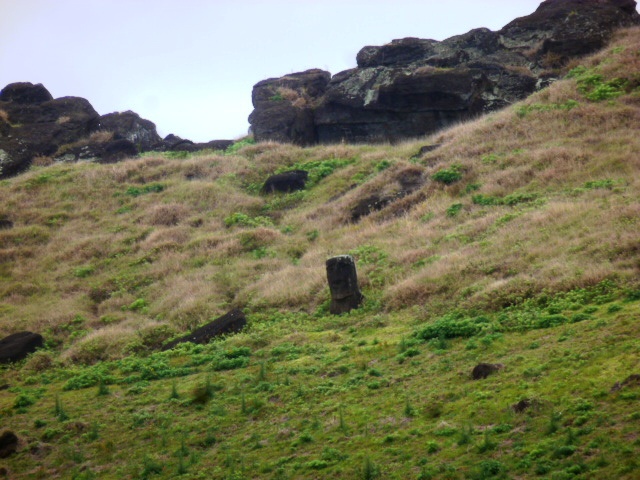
[231,322]
[343,283]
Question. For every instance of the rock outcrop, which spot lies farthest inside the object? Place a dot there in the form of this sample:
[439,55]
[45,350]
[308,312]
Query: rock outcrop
[411,87]
[284,107]
[34,124]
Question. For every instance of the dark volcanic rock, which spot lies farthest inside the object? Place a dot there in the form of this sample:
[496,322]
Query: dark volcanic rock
[381,104]
[630,381]
[399,52]
[483,370]
[5,222]
[128,125]
[35,125]
[424,150]
[17,346]
[216,144]
[387,190]
[370,204]
[231,322]
[25,92]
[569,28]
[343,283]
[174,143]
[109,151]
[525,404]
[8,444]
[286,182]
[284,107]
[412,87]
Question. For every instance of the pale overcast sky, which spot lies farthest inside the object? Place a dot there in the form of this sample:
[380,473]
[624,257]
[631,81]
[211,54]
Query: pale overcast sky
[189,65]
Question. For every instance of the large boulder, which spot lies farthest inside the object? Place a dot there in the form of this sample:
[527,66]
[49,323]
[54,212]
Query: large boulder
[130,126]
[33,124]
[412,87]
[25,93]
[283,107]
[17,346]
[231,322]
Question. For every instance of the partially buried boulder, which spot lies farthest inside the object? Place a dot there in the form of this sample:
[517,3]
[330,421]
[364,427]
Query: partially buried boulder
[523,405]
[286,182]
[108,151]
[174,143]
[231,322]
[631,381]
[8,444]
[5,222]
[17,346]
[130,126]
[483,370]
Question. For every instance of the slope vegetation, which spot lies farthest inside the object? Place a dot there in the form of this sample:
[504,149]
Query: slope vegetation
[513,241]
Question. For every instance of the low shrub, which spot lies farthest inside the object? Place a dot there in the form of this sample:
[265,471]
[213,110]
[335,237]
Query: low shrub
[448,175]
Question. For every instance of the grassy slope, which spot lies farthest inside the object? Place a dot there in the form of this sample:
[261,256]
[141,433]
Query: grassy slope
[109,261]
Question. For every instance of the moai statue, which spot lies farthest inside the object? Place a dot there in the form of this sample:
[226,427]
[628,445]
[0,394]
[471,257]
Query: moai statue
[343,283]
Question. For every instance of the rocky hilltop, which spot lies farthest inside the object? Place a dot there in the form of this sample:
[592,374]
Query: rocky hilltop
[33,124]
[411,87]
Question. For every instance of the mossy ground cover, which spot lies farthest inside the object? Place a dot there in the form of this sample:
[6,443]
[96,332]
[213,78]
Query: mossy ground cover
[518,247]
[318,393]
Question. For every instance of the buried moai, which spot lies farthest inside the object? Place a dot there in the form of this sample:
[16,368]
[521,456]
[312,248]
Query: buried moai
[343,283]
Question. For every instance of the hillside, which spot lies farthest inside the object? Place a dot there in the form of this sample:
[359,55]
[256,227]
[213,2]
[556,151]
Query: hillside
[513,240]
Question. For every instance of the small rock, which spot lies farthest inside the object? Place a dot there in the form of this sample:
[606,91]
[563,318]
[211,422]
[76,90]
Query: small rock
[522,405]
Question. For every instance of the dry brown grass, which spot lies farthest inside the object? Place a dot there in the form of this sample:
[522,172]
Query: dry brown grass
[82,246]
[167,215]
[42,161]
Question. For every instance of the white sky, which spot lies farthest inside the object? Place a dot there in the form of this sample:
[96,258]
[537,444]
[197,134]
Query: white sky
[189,65]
